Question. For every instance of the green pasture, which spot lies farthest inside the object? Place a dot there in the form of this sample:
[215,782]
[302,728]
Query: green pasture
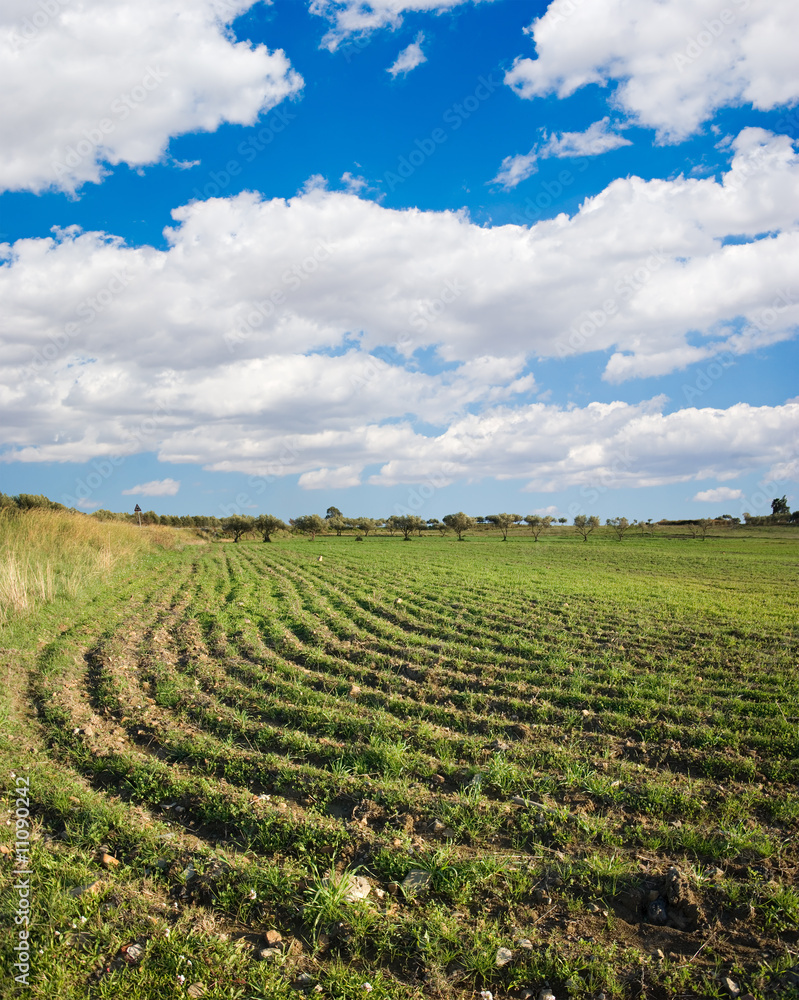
[580,755]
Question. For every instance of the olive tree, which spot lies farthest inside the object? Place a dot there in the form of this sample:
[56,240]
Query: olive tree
[268,524]
[584,525]
[538,524]
[504,522]
[460,523]
[238,525]
[433,522]
[308,524]
[699,528]
[407,524]
[619,525]
[367,524]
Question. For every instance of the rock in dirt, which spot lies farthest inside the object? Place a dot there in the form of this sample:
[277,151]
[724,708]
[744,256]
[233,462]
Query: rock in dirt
[731,986]
[273,938]
[132,952]
[416,880]
[268,954]
[358,888]
[546,994]
[109,861]
[91,889]
[504,956]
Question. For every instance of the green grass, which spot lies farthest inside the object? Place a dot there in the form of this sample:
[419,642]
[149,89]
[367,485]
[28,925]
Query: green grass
[545,729]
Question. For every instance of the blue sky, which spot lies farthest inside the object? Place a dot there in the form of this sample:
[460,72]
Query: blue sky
[421,255]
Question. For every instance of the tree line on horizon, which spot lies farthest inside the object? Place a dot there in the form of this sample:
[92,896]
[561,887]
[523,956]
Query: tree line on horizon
[237,526]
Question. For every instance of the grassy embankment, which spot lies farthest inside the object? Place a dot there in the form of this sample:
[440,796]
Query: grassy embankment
[586,754]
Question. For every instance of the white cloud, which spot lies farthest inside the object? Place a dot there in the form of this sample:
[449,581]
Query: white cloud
[280,335]
[359,17]
[155,488]
[595,140]
[675,61]
[639,272]
[515,169]
[331,479]
[410,57]
[719,495]
[97,84]
[599,447]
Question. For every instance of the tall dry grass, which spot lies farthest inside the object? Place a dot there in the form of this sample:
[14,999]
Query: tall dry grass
[47,554]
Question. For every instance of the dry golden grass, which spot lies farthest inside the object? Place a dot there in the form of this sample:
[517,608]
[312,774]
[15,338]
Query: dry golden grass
[46,554]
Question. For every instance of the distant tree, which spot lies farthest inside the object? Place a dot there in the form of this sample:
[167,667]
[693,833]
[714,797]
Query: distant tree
[537,524]
[433,522]
[561,520]
[619,525]
[27,501]
[504,522]
[106,515]
[332,512]
[585,525]
[460,523]
[795,516]
[390,524]
[699,528]
[779,505]
[367,524]
[308,524]
[267,525]
[339,524]
[235,525]
[407,524]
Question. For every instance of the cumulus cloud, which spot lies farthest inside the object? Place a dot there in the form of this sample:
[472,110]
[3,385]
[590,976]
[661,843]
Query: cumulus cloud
[641,272]
[96,84]
[596,139]
[410,57]
[601,446]
[675,62]
[281,336]
[155,488]
[360,17]
[718,495]
[331,479]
